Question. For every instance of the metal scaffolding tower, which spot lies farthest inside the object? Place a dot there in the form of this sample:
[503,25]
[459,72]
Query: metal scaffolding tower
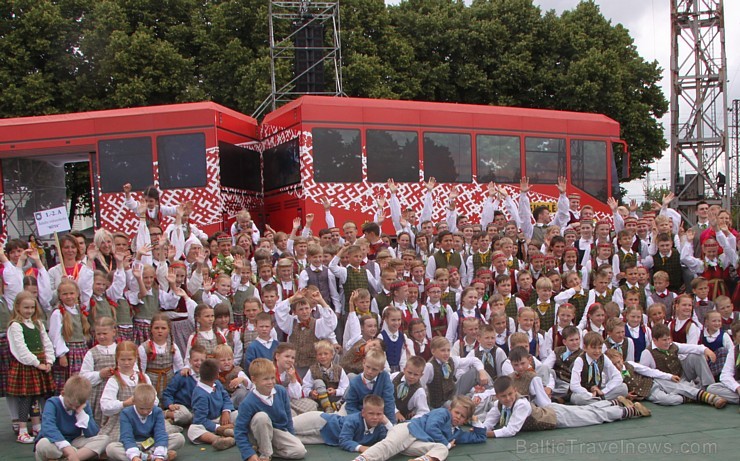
[304,46]
[699,105]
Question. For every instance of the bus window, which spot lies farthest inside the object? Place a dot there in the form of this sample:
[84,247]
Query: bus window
[337,155]
[588,167]
[498,158]
[545,160]
[447,157]
[182,160]
[392,154]
[282,165]
[124,161]
[240,167]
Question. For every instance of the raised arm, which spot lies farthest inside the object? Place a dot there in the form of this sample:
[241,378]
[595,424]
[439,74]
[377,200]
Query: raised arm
[525,212]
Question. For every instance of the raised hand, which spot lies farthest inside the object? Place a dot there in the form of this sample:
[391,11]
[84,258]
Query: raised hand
[392,186]
[326,203]
[207,283]
[492,189]
[431,183]
[612,202]
[92,252]
[668,198]
[296,223]
[309,219]
[633,205]
[562,185]
[524,185]
[127,188]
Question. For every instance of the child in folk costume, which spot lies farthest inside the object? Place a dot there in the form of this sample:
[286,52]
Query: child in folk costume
[69,331]
[544,305]
[437,310]
[252,308]
[660,387]
[228,330]
[265,344]
[287,377]
[417,342]
[11,283]
[445,375]
[205,334]
[469,340]
[728,386]
[351,360]
[636,330]
[99,363]
[217,291]
[683,328]
[716,339]
[325,381]
[287,280]
[660,294]
[469,308]
[726,310]
[359,306]
[32,355]
[393,338]
[149,210]
[595,318]
[593,377]
[554,336]
[617,340]
[148,300]
[232,377]
[119,390]
[181,313]
[159,356]
[513,413]
[294,317]
[714,267]
[242,288]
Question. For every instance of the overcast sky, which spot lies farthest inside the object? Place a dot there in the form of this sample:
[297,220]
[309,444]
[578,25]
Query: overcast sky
[648,22]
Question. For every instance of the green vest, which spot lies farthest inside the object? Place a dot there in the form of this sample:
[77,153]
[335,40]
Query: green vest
[440,260]
[356,279]
[32,338]
[4,316]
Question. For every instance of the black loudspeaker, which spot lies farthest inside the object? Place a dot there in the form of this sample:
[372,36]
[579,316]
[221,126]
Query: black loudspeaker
[309,44]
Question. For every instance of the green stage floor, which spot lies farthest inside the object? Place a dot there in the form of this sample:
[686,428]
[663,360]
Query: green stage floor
[686,432]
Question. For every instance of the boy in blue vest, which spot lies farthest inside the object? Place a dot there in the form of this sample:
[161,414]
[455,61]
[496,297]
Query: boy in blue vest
[143,431]
[68,429]
[354,433]
[372,380]
[213,411]
[264,424]
[177,397]
[430,437]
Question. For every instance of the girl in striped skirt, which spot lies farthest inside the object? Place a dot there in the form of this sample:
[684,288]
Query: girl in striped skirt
[32,355]
[100,362]
[69,331]
[119,390]
[160,357]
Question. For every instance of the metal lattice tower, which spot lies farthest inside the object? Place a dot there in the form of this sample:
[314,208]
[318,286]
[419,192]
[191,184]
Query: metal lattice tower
[699,104]
[294,30]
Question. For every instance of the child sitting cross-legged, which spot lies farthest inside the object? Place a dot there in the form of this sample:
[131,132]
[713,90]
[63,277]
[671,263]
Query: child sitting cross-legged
[213,411]
[265,424]
[431,436]
[355,432]
[68,429]
[325,381]
[232,377]
[143,431]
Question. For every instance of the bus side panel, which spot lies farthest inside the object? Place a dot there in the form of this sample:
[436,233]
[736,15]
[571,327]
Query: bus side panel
[356,201]
[207,202]
[286,203]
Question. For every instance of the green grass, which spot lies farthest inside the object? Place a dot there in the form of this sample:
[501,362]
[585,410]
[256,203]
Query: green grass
[686,432]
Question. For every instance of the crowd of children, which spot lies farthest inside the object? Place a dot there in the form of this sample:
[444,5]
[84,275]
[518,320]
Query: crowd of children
[271,341]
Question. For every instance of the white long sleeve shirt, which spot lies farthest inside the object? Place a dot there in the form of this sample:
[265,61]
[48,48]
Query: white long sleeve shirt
[20,350]
[88,363]
[610,376]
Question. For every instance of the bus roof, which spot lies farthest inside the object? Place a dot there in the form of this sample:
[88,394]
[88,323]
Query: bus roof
[327,110]
[102,122]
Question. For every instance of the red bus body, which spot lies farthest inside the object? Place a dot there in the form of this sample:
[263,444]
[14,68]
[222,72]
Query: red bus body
[315,147]
[297,122]
[190,136]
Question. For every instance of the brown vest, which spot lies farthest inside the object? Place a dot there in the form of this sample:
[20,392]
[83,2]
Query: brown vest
[330,381]
[490,368]
[589,383]
[521,382]
[562,367]
[304,339]
[402,405]
[441,389]
[541,419]
[636,383]
[667,362]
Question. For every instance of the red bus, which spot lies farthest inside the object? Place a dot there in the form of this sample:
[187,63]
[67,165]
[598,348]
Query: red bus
[313,147]
[201,152]
[346,148]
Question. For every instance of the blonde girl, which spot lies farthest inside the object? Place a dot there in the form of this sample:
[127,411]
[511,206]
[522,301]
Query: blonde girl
[69,331]
[32,356]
